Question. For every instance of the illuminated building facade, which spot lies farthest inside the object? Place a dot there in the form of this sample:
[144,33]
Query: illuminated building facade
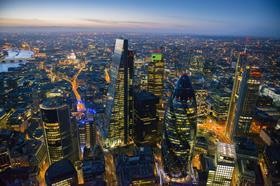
[155,79]
[225,163]
[241,62]
[90,134]
[247,99]
[59,133]
[217,103]
[119,106]
[87,133]
[200,96]
[179,130]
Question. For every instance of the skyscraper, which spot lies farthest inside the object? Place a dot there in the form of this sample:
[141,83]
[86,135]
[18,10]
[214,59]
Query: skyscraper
[145,118]
[59,133]
[155,79]
[90,133]
[119,104]
[179,130]
[247,99]
[241,62]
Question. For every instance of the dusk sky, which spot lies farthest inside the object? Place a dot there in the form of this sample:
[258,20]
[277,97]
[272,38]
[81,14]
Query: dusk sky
[211,17]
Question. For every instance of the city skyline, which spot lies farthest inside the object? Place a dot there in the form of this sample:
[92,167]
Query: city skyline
[250,18]
[158,93]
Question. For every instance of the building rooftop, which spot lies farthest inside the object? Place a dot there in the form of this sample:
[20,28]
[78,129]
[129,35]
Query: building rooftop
[60,170]
[207,163]
[226,150]
[156,57]
[137,167]
[53,103]
[145,96]
[245,146]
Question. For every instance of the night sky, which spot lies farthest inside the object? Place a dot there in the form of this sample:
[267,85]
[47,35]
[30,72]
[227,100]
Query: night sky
[211,17]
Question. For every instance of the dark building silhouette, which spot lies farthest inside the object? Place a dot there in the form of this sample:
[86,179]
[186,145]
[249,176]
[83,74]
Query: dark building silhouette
[62,172]
[145,117]
[137,169]
[272,164]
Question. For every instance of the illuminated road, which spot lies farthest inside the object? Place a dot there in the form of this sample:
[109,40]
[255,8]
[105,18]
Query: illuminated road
[74,84]
[219,130]
[110,170]
[41,176]
[107,76]
[196,162]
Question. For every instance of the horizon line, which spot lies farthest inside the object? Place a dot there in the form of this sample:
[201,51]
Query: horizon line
[74,29]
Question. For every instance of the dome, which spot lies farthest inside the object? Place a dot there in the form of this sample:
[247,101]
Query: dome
[183,89]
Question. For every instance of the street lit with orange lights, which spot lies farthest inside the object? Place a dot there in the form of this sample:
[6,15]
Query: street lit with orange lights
[210,125]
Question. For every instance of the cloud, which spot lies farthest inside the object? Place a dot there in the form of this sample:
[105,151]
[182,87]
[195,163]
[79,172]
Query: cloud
[83,23]
[101,21]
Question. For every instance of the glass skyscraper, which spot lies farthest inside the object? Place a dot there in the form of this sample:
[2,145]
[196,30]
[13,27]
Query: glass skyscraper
[119,106]
[155,79]
[240,65]
[59,133]
[179,130]
[246,105]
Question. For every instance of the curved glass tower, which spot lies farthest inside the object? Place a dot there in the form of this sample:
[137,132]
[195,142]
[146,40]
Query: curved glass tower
[179,130]
[60,136]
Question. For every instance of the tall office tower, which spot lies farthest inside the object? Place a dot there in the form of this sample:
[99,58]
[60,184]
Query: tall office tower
[241,63]
[60,133]
[179,130]
[87,133]
[247,100]
[61,172]
[119,106]
[225,162]
[90,134]
[145,118]
[82,134]
[155,79]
